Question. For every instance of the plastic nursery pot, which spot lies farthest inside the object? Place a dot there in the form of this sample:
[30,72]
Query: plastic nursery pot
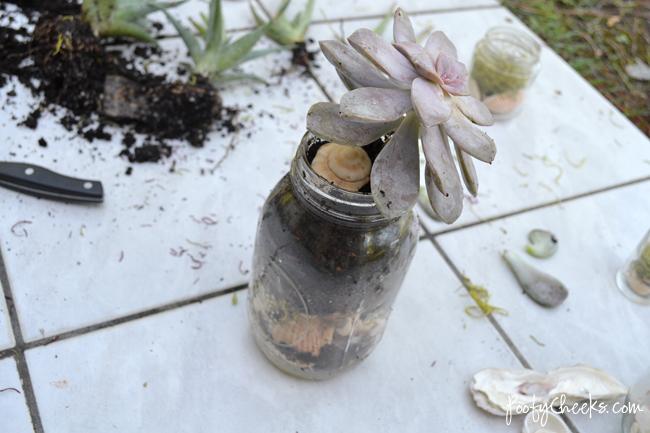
[637,420]
[506,63]
[327,267]
[633,278]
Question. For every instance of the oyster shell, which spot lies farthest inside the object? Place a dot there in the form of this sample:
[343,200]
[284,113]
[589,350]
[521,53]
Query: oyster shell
[544,422]
[499,391]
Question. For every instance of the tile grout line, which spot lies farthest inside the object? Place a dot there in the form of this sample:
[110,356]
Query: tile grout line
[536,207]
[497,326]
[21,362]
[120,320]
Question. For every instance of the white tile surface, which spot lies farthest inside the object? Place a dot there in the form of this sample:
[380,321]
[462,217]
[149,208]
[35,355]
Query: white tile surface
[362,8]
[83,264]
[13,409]
[596,324]
[564,120]
[203,371]
[6,335]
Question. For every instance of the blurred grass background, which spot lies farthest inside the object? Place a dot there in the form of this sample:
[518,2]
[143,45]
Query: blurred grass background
[598,39]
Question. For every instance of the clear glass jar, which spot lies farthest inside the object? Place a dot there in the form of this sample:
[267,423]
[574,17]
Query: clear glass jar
[327,267]
[637,419]
[633,278]
[506,63]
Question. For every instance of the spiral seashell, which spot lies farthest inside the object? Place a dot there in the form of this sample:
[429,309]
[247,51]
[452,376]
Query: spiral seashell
[504,103]
[344,166]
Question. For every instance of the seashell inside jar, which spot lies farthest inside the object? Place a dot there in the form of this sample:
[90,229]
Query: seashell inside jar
[506,63]
[327,264]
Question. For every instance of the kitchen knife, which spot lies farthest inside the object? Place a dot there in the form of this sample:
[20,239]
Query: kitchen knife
[41,182]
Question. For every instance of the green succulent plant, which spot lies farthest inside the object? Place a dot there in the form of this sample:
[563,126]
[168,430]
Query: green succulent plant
[122,17]
[219,53]
[286,32]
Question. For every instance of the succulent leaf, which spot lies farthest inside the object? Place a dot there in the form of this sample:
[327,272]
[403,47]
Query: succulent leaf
[323,121]
[426,66]
[469,138]
[353,65]
[190,41]
[438,43]
[216,34]
[438,155]
[116,28]
[409,49]
[282,30]
[429,102]
[474,110]
[370,104]
[542,288]
[453,75]
[402,27]
[543,243]
[383,55]
[467,170]
[423,201]
[448,208]
[395,176]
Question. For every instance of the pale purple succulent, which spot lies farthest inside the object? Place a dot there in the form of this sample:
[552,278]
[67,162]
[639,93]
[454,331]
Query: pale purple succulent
[418,92]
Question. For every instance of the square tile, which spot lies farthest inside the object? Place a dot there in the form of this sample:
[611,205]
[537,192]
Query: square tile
[596,324]
[76,265]
[197,368]
[13,408]
[6,334]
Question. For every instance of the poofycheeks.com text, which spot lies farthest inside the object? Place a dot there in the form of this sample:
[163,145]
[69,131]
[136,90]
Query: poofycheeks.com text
[558,406]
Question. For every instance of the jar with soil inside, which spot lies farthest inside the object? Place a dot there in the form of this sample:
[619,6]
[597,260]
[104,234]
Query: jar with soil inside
[327,268]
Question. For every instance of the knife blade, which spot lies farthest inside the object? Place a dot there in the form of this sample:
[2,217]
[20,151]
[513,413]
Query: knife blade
[40,182]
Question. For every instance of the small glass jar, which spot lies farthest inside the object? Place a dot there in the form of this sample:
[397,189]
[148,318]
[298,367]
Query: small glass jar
[506,63]
[327,267]
[636,414]
[633,279]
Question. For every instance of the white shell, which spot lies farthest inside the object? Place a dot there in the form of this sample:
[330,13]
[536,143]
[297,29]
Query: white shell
[544,422]
[344,166]
[499,391]
[641,420]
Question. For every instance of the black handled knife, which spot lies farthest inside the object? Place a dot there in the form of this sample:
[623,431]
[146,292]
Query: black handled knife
[41,182]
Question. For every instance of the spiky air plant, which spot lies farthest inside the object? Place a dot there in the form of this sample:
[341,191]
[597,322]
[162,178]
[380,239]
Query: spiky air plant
[286,32]
[418,92]
[219,53]
[122,18]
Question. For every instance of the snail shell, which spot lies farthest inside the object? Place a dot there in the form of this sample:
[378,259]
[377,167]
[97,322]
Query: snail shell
[344,166]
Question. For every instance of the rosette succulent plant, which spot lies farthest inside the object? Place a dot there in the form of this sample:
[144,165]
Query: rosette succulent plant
[418,92]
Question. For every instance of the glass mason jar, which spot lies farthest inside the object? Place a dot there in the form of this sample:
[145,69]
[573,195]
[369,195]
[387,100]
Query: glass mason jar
[326,270]
[637,420]
[505,64]
[633,279]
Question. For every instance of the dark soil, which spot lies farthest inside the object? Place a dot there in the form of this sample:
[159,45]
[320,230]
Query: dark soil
[71,66]
[302,57]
